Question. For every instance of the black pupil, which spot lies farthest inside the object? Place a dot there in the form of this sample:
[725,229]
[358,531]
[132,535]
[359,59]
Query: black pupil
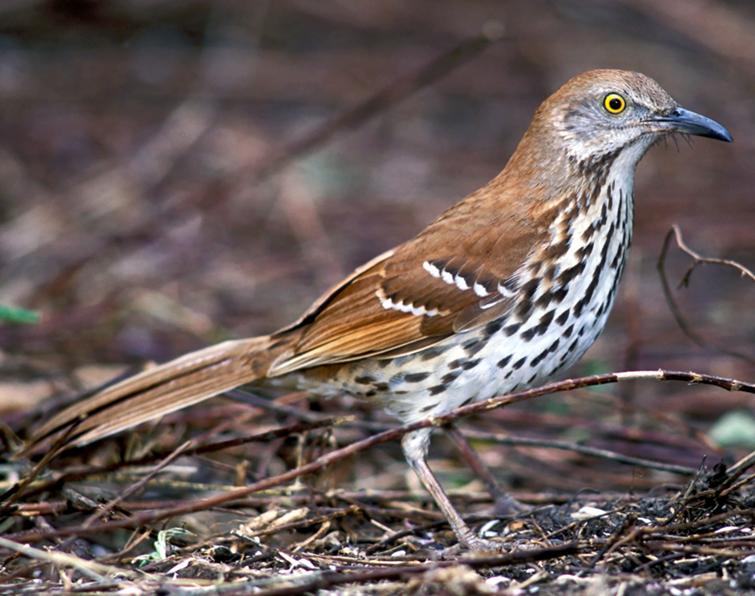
[614,103]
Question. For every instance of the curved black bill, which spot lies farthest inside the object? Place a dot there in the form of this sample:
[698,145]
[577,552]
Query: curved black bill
[691,123]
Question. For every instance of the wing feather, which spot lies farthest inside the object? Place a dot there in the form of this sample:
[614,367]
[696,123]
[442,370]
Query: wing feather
[419,293]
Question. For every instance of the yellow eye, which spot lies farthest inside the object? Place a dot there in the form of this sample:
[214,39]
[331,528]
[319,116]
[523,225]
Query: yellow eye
[614,103]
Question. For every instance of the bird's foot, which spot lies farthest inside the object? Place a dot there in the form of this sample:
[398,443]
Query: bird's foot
[482,545]
[472,544]
[507,506]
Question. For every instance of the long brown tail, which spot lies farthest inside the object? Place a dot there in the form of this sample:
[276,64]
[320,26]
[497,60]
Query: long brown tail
[158,391]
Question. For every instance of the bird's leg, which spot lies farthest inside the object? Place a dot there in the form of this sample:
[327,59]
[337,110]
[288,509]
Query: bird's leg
[505,504]
[415,445]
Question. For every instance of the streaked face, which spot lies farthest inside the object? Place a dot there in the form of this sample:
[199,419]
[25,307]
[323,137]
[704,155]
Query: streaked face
[612,110]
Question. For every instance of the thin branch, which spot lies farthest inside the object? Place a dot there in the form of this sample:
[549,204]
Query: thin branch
[577,448]
[90,569]
[741,466]
[137,486]
[697,260]
[15,492]
[92,470]
[314,582]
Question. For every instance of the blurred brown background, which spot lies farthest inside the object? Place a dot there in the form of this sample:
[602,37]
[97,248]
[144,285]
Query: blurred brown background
[139,214]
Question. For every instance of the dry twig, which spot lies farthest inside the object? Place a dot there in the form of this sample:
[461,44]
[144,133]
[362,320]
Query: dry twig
[697,260]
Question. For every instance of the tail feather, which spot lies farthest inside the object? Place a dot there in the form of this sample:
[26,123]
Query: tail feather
[157,391]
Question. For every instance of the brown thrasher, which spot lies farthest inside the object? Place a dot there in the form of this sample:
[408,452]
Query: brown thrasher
[504,289]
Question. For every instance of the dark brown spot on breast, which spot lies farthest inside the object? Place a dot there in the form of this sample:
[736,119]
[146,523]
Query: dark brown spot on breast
[579,306]
[559,295]
[431,353]
[525,306]
[583,252]
[544,300]
[510,330]
[554,251]
[450,377]
[539,358]
[470,364]
[545,322]
[604,252]
[416,377]
[528,289]
[493,327]
[617,256]
[569,274]
[473,346]
[610,232]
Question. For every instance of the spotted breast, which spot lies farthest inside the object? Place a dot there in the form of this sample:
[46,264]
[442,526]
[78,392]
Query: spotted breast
[557,305]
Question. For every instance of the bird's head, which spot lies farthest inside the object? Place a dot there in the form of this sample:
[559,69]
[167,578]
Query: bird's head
[604,112]
[601,112]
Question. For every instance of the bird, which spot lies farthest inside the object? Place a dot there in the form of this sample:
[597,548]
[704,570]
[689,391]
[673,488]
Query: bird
[501,292]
